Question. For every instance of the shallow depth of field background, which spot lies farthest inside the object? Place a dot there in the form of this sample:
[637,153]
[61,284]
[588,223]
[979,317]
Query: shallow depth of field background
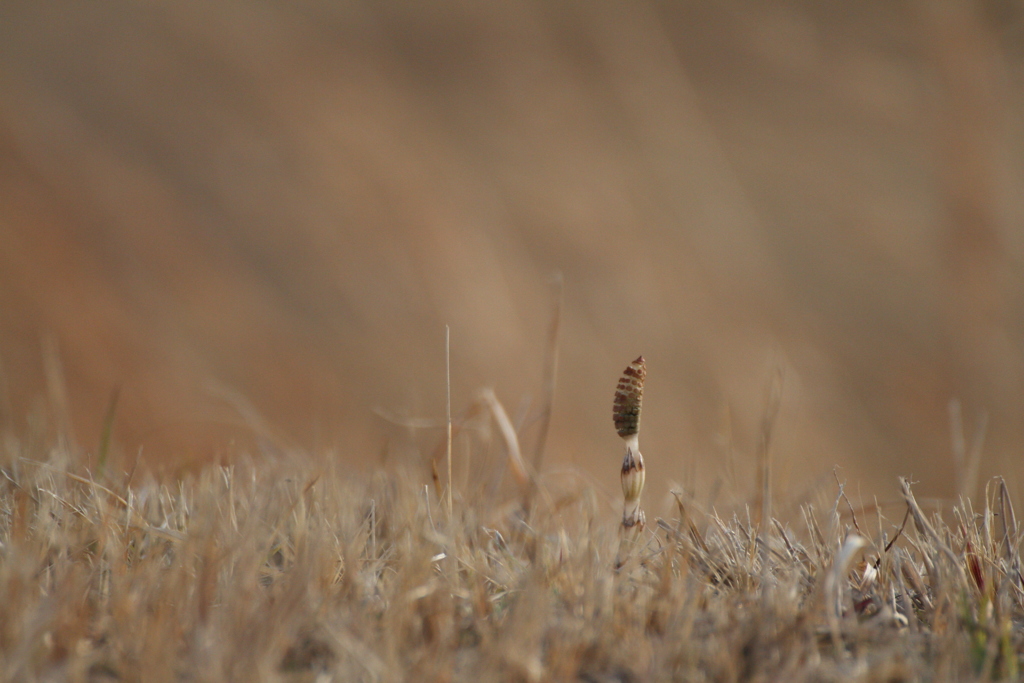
[255,219]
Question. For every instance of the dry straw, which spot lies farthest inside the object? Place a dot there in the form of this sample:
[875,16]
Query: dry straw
[300,570]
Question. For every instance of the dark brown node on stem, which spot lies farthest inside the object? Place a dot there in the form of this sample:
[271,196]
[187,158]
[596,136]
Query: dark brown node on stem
[630,522]
[630,463]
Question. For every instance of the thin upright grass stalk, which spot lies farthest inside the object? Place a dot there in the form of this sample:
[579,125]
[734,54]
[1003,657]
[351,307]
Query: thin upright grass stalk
[550,370]
[57,390]
[626,414]
[966,461]
[448,386]
[108,427]
[773,399]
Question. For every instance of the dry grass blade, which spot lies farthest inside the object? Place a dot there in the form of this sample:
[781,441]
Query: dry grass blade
[1009,520]
[508,435]
[849,505]
[926,529]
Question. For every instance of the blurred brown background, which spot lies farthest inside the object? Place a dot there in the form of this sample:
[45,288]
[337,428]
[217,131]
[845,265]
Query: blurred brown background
[230,209]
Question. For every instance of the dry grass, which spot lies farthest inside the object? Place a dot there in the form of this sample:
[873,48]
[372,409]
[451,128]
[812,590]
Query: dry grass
[289,572]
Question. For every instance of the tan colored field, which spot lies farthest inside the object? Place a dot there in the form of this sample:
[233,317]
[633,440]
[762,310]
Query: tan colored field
[300,571]
[254,220]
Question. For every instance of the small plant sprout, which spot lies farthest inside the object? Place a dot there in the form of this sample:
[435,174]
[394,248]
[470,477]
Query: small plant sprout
[626,413]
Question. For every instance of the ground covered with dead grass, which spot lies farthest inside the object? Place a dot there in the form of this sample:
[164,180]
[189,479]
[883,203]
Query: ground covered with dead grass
[302,572]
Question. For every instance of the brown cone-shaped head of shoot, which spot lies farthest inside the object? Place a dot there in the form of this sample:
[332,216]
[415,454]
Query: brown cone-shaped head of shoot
[628,398]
